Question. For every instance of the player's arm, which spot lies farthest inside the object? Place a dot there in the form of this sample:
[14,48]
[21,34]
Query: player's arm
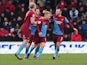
[69,23]
[32,19]
[38,28]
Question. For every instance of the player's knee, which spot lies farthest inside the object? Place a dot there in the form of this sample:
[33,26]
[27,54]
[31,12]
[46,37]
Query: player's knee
[58,44]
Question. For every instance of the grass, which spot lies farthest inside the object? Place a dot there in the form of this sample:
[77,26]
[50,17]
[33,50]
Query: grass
[46,59]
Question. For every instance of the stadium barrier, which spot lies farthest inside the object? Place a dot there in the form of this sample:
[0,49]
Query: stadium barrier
[65,47]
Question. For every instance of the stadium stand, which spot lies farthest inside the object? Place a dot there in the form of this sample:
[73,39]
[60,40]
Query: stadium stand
[12,13]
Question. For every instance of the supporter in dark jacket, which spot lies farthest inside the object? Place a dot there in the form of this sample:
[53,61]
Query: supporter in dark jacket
[84,26]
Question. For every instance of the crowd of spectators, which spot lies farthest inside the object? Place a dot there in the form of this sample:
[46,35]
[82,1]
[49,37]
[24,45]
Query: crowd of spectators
[12,13]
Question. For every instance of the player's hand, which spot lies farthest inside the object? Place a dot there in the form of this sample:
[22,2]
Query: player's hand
[35,23]
[44,11]
[40,33]
[75,29]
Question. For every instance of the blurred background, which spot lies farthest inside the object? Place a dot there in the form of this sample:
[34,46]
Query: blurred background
[12,13]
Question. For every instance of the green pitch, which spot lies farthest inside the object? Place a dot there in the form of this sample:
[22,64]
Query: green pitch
[46,59]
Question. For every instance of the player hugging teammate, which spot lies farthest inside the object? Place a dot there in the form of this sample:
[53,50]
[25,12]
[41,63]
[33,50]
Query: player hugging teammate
[34,29]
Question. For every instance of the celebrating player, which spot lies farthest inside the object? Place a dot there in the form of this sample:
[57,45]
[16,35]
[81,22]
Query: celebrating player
[36,44]
[42,26]
[33,34]
[25,32]
[58,30]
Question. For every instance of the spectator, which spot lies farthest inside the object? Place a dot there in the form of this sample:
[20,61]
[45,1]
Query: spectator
[84,27]
[84,16]
[66,38]
[74,13]
[10,5]
[2,8]
[75,24]
[40,2]
[80,4]
[85,5]
[5,35]
[3,32]
[78,22]
[76,37]
[7,13]
[12,15]
[21,13]
[22,5]
[72,4]
[1,19]
[11,29]
[19,20]
[65,13]
[81,32]
[0,23]
[14,22]
[2,16]
[81,11]
[5,24]
[61,5]
[17,27]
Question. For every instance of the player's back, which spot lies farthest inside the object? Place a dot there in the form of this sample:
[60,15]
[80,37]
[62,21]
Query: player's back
[26,23]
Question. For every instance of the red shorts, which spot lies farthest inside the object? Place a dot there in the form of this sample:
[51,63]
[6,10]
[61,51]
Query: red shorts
[38,39]
[31,39]
[25,34]
[57,38]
